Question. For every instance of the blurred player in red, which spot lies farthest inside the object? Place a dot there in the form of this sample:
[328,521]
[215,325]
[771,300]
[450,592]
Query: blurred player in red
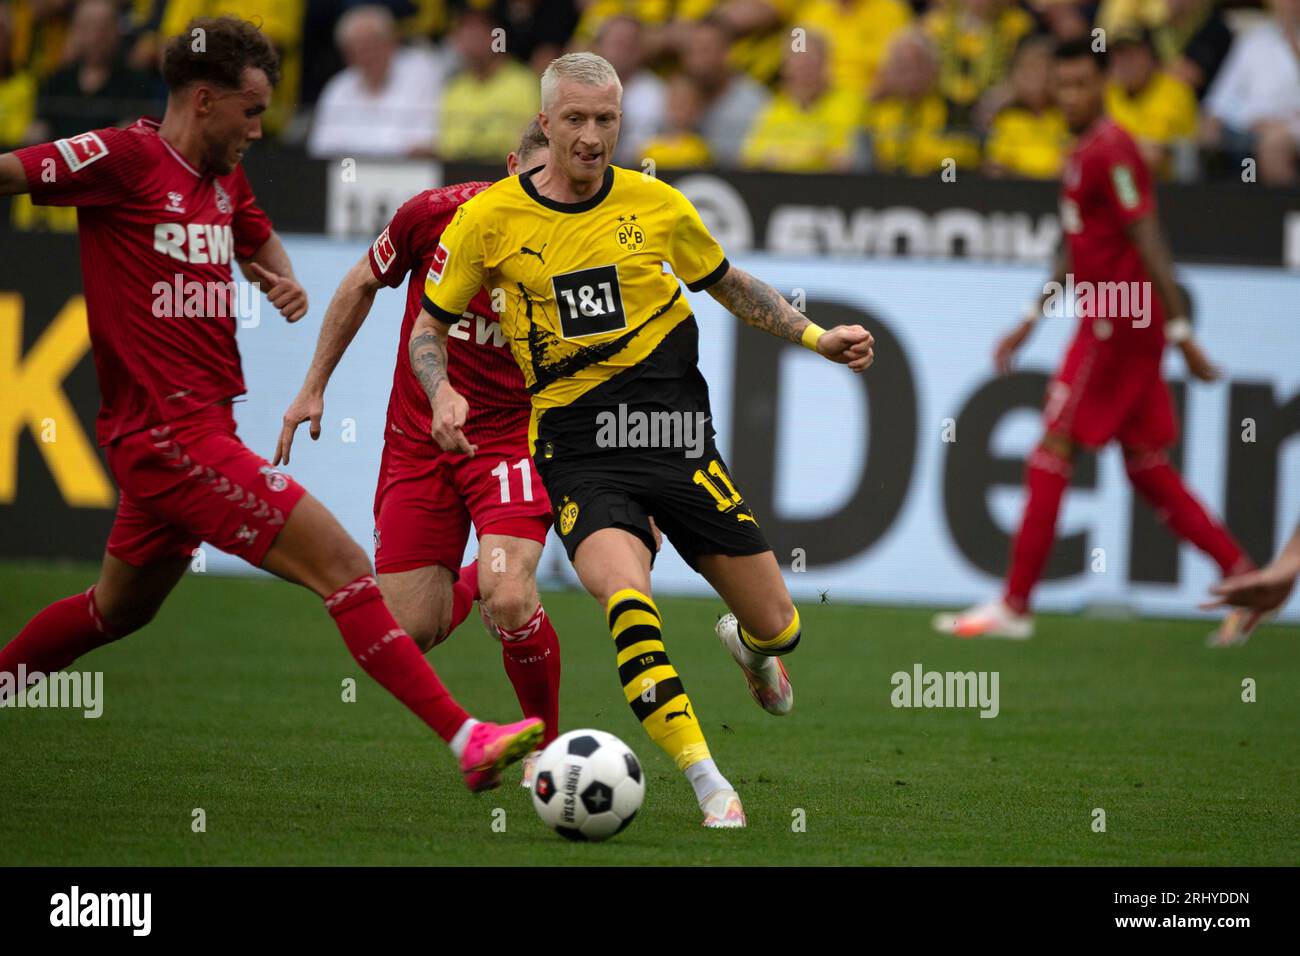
[426,498]
[1109,386]
[163,206]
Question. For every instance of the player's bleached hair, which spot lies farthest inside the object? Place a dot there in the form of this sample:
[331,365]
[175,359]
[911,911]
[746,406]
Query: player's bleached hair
[585,68]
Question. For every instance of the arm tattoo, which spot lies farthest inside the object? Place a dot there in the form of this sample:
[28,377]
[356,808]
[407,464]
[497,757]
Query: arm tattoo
[756,303]
[429,361]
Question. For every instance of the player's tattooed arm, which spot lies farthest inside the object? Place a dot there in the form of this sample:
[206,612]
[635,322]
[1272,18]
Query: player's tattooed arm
[12,177]
[428,351]
[756,303]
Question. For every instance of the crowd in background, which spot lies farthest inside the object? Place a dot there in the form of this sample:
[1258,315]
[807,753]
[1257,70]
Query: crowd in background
[787,85]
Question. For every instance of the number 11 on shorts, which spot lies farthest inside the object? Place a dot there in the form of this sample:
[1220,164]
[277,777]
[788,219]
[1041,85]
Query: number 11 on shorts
[502,472]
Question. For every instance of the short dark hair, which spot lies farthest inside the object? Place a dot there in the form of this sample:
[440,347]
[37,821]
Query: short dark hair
[228,46]
[1080,47]
[533,140]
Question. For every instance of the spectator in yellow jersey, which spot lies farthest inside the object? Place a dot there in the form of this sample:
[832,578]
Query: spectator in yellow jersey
[1156,107]
[1028,136]
[976,41]
[1190,37]
[809,126]
[859,33]
[489,100]
[908,119]
[679,146]
[17,88]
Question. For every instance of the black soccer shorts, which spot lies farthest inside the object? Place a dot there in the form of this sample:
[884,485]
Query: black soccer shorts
[694,502]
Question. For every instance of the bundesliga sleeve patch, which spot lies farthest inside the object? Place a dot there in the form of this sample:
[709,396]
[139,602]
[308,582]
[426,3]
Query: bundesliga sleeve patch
[384,251]
[1125,187]
[81,150]
[440,256]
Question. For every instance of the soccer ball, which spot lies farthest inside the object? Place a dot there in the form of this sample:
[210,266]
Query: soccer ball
[588,785]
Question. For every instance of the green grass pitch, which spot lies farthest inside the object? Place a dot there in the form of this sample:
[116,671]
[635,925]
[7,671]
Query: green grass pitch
[231,701]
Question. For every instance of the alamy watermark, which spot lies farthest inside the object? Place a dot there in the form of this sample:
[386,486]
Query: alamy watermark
[922,688]
[192,299]
[637,429]
[1098,300]
[75,690]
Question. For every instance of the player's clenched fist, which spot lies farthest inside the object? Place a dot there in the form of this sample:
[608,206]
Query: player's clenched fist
[283,292]
[449,413]
[850,345]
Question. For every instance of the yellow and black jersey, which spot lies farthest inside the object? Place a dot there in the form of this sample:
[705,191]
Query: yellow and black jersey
[591,312]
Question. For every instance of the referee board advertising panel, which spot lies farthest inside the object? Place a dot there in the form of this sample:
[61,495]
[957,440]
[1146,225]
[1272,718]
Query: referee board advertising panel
[901,486]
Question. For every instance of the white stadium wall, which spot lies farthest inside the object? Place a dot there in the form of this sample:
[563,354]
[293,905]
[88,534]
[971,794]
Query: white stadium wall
[920,516]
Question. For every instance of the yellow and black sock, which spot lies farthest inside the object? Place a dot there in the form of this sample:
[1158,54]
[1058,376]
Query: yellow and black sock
[650,682]
[783,643]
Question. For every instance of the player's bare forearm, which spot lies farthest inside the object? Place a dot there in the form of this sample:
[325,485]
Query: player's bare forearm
[343,317]
[272,256]
[13,179]
[1159,262]
[756,303]
[428,351]
[1060,270]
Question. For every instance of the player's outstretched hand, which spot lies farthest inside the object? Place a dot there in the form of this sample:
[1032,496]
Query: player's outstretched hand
[1005,353]
[849,345]
[283,292]
[1200,366]
[308,406]
[449,413]
[1262,591]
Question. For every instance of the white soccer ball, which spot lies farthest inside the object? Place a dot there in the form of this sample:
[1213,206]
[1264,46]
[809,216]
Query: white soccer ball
[588,785]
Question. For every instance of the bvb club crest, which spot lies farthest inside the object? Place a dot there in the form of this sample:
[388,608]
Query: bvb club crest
[568,516]
[629,234]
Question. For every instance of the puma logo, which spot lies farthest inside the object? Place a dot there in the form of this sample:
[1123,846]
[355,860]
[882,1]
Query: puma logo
[525,251]
[741,516]
[684,712]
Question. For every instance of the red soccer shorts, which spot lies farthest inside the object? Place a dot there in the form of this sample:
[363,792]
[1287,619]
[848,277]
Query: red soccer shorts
[1103,392]
[192,480]
[426,500]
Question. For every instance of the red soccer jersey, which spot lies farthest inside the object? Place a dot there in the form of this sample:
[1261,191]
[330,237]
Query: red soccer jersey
[157,241]
[479,362]
[1106,187]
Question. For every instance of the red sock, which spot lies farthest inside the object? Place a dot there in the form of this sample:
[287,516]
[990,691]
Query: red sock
[1178,509]
[1047,475]
[391,657]
[57,636]
[532,658]
[463,595]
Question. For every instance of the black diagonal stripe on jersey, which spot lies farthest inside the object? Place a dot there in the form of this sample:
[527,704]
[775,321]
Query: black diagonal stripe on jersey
[539,341]
[661,693]
[631,670]
[667,378]
[629,604]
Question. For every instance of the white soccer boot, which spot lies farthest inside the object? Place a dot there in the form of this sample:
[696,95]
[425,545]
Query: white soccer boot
[993,619]
[769,684]
[722,810]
